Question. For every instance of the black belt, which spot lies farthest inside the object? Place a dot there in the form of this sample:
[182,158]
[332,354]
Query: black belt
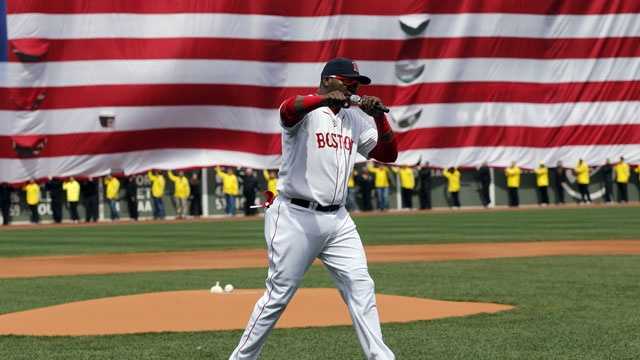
[308,204]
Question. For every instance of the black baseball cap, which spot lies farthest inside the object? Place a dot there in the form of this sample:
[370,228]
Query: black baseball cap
[344,67]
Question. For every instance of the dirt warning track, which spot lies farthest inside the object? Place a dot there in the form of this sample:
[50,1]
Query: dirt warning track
[26,267]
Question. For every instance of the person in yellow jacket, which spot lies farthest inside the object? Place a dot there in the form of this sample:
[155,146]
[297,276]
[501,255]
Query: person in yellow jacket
[181,193]
[622,175]
[542,184]
[381,184]
[583,178]
[229,189]
[513,183]
[72,188]
[157,193]
[112,192]
[271,178]
[407,184]
[32,191]
[453,185]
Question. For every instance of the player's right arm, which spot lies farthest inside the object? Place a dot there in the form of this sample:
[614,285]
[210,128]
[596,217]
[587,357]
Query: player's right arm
[295,108]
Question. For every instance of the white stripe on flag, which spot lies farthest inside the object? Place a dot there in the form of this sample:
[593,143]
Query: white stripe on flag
[15,170]
[84,120]
[116,25]
[523,156]
[87,73]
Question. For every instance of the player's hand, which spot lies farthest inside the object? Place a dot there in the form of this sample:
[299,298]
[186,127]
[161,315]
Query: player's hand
[336,99]
[372,106]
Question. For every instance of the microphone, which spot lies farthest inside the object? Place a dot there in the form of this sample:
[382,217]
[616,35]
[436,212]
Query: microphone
[357,100]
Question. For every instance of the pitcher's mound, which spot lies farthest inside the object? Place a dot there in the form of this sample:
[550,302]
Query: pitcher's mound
[201,311]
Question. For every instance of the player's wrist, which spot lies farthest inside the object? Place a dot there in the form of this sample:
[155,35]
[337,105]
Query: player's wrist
[385,133]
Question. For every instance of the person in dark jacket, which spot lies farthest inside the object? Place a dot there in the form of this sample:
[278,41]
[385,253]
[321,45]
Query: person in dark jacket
[607,179]
[560,178]
[195,206]
[131,195]
[484,178]
[424,193]
[249,188]
[56,193]
[5,202]
[89,191]
[365,183]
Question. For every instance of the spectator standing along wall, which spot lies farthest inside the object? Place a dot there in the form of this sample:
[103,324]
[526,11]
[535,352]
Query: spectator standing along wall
[542,184]
[583,179]
[56,193]
[72,189]
[381,183]
[559,179]
[131,195]
[407,184]
[157,193]
[229,189]
[453,185]
[32,191]
[181,192]
[5,202]
[112,194]
[607,178]
[424,175]
[622,175]
[513,184]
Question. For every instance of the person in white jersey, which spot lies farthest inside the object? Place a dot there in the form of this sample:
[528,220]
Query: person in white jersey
[321,135]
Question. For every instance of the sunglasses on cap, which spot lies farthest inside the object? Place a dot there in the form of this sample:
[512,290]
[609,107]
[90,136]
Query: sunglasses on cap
[345,80]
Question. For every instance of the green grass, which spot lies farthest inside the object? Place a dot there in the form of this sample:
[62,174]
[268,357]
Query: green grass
[591,223]
[567,308]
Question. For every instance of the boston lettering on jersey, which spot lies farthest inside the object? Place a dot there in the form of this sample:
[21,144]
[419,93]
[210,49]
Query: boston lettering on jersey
[333,140]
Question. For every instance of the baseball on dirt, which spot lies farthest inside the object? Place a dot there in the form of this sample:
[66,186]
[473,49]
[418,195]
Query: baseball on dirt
[216,289]
[228,288]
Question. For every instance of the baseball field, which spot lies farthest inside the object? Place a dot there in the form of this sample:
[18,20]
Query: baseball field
[572,276]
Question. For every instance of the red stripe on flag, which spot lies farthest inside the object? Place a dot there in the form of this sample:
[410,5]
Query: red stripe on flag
[315,8]
[271,97]
[320,51]
[518,136]
[140,140]
[269,144]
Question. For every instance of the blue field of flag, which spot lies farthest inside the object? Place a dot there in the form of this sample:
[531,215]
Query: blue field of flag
[3,31]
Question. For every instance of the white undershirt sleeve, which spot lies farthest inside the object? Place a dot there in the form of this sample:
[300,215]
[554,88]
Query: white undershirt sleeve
[368,138]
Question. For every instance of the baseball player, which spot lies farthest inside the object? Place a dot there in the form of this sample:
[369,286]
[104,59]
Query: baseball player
[321,135]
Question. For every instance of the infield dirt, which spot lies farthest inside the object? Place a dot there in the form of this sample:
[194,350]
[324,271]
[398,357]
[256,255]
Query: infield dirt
[25,267]
[201,311]
[198,310]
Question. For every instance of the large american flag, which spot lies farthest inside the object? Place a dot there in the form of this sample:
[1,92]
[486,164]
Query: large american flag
[198,82]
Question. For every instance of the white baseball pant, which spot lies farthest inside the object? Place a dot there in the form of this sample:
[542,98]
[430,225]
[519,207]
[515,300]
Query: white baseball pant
[295,237]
